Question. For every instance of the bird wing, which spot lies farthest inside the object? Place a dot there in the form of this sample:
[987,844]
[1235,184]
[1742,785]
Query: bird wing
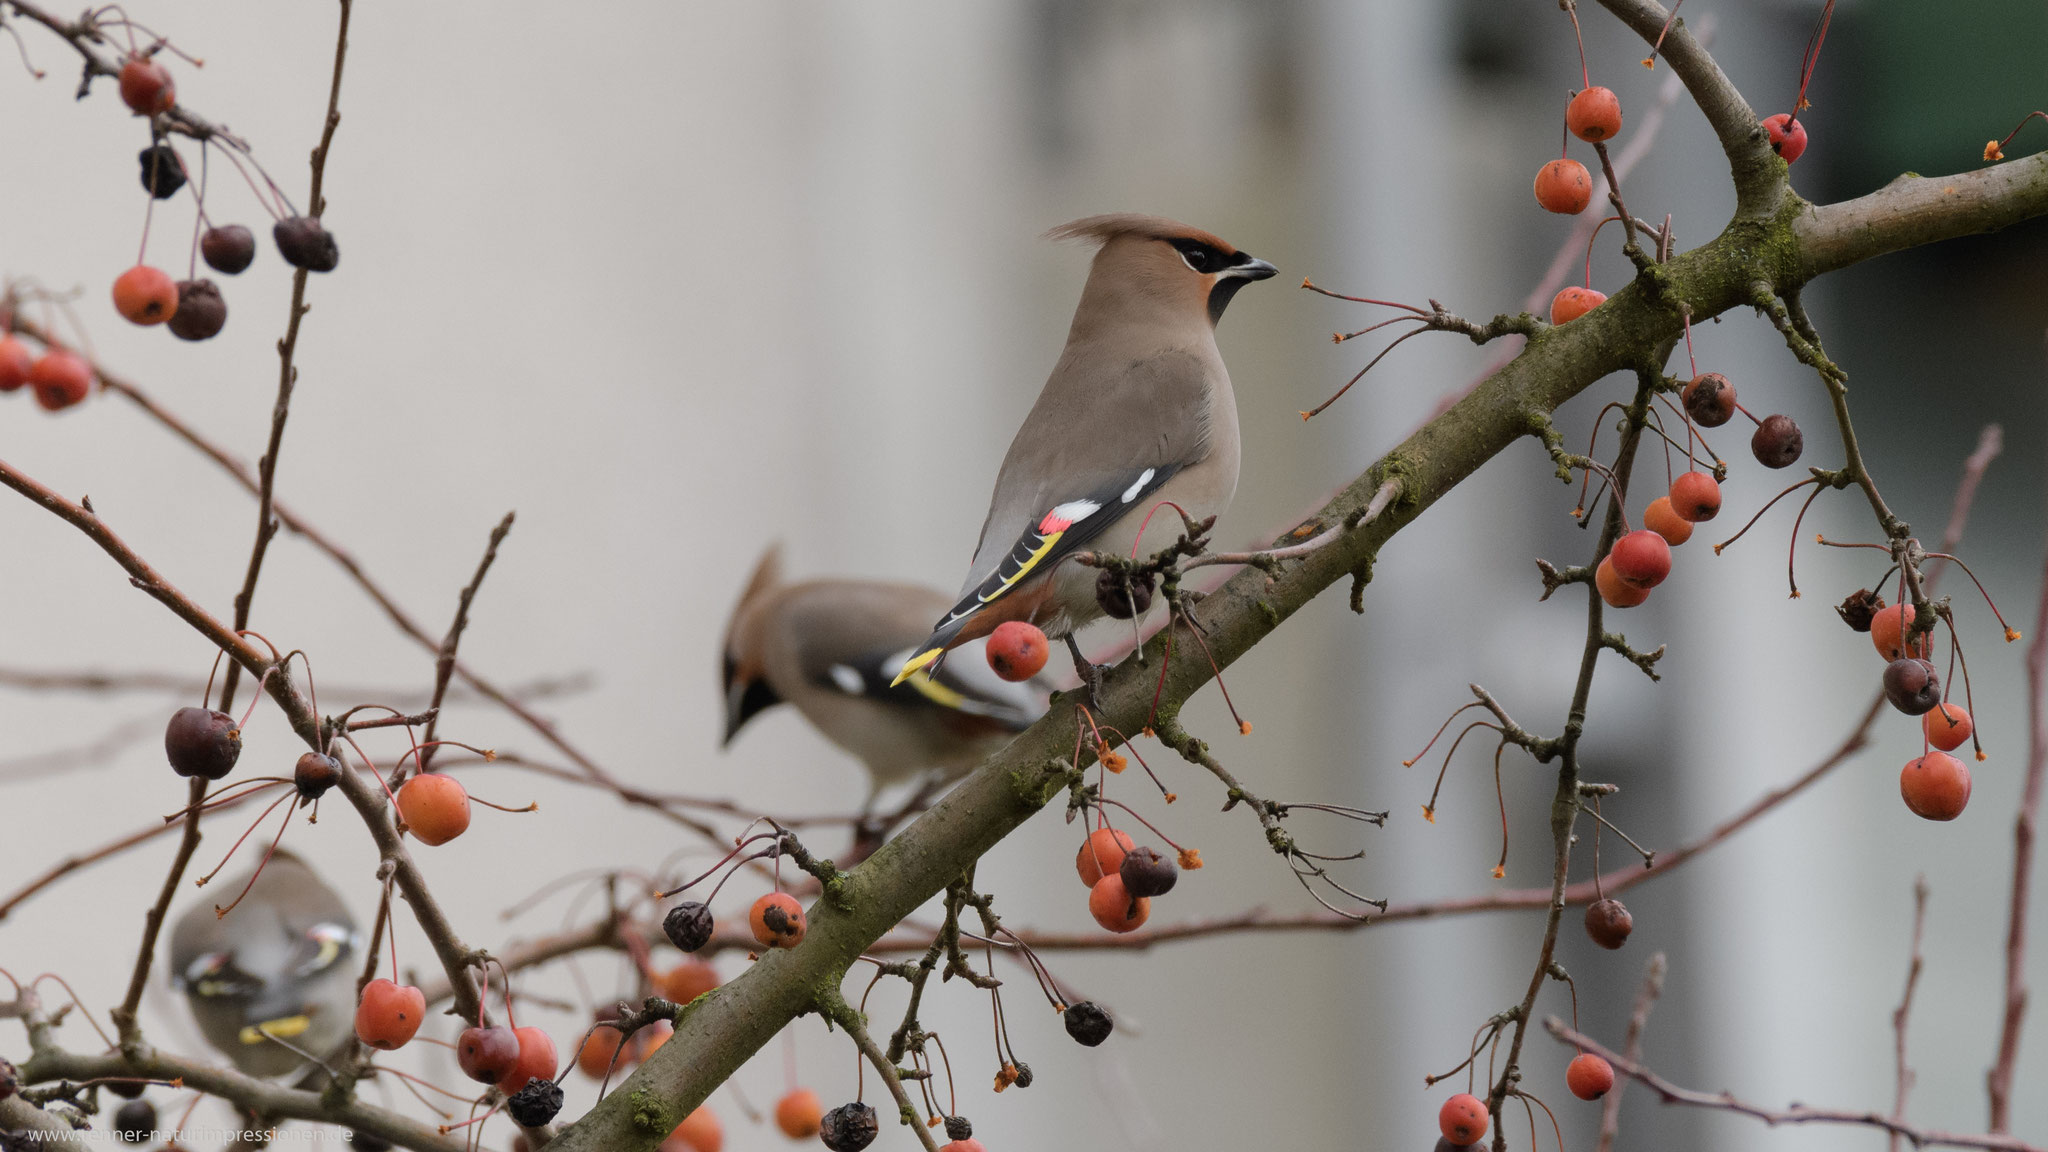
[1051,537]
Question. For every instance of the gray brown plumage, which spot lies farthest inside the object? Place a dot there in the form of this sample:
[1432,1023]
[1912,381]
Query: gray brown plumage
[1137,412]
[831,648]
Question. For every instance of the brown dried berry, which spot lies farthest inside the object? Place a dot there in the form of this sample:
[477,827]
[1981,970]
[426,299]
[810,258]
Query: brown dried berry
[201,312]
[162,174]
[227,248]
[200,742]
[959,1128]
[305,244]
[535,1104]
[1860,609]
[1709,399]
[1912,686]
[1088,1023]
[849,1127]
[1608,923]
[688,925]
[1147,873]
[1777,442]
[314,774]
[1121,602]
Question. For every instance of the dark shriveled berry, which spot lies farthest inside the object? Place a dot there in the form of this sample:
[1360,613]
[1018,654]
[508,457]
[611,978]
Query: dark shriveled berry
[849,1127]
[1147,873]
[314,774]
[162,175]
[135,1121]
[1024,1076]
[1860,609]
[1119,602]
[305,244]
[688,925]
[200,742]
[201,313]
[1912,686]
[126,1089]
[1777,442]
[959,1128]
[535,1104]
[1088,1023]
[1709,399]
[1608,923]
[227,248]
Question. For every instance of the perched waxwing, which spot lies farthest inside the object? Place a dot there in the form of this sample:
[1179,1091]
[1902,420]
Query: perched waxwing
[1137,412]
[832,648]
[277,965]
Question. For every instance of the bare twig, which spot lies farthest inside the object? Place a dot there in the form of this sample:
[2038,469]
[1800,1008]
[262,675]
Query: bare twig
[444,664]
[2024,825]
[1904,1081]
[1639,1019]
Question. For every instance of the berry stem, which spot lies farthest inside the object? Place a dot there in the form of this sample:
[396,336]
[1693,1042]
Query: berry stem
[1572,9]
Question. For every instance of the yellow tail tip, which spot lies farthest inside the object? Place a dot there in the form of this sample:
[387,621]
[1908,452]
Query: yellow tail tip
[915,664]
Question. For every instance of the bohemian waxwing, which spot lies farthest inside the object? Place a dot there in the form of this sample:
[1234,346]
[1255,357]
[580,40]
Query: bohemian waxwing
[1137,412]
[276,965]
[832,648]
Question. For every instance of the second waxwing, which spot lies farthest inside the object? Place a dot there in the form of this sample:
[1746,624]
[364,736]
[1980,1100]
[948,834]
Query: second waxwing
[1138,412]
[276,967]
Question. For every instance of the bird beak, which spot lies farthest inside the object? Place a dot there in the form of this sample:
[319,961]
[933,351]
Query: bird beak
[744,698]
[1254,269]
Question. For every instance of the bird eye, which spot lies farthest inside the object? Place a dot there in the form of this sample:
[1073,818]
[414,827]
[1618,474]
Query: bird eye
[1200,257]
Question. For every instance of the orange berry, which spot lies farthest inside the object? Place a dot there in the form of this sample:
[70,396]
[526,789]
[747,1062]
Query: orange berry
[147,87]
[536,1060]
[1696,496]
[1642,558]
[145,295]
[1563,187]
[434,807]
[1789,144]
[389,1014]
[777,920]
[1936,786]
[1017,650]
[600,1049]
[1115,908]
[687,981]
[1662,519]
[1101,854]
[1463,1119]
[1574,302]
[648,1039]
[1947,727]
[1589,1077]
[1594,115]
[15,362]
[700,1131]
[968,1145]
[1888,630]
[799,1114]
[1617,592]
[60,379]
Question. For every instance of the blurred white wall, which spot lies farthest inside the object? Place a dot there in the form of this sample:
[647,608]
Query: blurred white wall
[679,280]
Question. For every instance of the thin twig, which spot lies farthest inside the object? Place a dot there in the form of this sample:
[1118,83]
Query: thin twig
[1905,1077]
[2024,824]
[1639,1019]
[444,664]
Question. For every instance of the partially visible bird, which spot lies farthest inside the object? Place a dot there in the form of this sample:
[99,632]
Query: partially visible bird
[832,648]
[276,966]
[1137,412]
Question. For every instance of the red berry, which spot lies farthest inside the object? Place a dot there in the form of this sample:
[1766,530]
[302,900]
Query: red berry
[434,807]
[1115,908]
[1463,1119]
[389,1014]
[1947,727]
[1642,558]
[536,1060]
[1696,496]
[1563,187]
[1608,923]
[145,295]
[777,920]
[1936,786]
[487,1053]
[1102,853]
[147,87]
[968,1145]
[1888,629]
[1788,144]
[687,981]
[1017,650]
[1617,592]
[700,1131]
[1589,1077]
[1777,442]
[1574,302]
[1709,399]
[60,379]
[1594,115]
[1665,521]
[799,1114]
[15,362]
